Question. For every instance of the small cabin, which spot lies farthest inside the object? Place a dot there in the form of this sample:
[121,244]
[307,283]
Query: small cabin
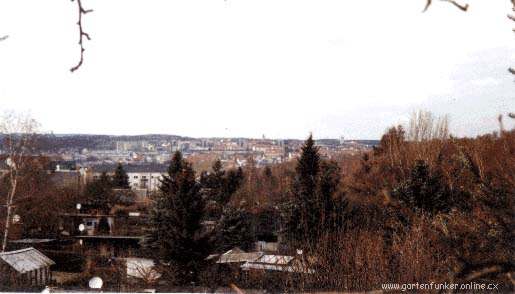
[25,268]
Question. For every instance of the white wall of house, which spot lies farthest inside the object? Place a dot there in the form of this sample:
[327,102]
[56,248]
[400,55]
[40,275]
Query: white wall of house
[140,180]
[145,180]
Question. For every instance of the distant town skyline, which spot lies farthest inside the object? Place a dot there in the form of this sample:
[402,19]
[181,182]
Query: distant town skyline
[263,136]
[246,68]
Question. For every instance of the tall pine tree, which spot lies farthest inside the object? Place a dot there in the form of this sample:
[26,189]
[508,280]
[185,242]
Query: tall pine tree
[120,178]
[174,235]
[220,185]
[313,208]
[303,215]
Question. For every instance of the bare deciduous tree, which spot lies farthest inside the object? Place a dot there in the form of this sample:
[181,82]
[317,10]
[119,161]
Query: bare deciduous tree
[18,143]
[424,126]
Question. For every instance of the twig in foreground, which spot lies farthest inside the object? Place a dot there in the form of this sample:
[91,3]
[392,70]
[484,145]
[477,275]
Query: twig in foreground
[82,34]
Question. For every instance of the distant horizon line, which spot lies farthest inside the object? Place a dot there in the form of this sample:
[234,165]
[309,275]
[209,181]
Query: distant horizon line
[202,137]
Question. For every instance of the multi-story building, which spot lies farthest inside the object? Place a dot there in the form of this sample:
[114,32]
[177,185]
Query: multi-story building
[148,180]
[141,177]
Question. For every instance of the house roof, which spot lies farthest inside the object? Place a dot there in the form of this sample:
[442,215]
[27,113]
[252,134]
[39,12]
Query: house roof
[235,255]
[32,241]
[235,250]
[212,256]
[239,257]
[272,267]
[282,263]
[26,260]
[112,237]
[275,259]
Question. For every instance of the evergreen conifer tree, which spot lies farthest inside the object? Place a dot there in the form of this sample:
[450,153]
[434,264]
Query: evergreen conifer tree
[120,178]
[220,185]
[232,182]
[99,194]
[174,235]
[234,230]
[332,203]
[313,209]
[303,210]
[424,191]
[216,182]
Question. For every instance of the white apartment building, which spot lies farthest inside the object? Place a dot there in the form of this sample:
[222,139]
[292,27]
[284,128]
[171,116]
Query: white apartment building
[141,177]
[149,181]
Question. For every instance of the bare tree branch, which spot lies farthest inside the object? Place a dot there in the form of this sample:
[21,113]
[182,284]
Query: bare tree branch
[460,6]
[82,33]
[427,5]
[511,69]
[463,7]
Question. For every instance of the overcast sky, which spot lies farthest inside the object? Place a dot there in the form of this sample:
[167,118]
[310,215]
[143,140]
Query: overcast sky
[282,68]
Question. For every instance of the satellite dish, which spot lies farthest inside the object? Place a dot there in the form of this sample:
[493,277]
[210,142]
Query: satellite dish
[95,283]
[78,206]
[9,162]
[82,227]
[16,218]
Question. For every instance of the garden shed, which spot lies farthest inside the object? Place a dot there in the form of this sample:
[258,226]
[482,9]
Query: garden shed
[25,267]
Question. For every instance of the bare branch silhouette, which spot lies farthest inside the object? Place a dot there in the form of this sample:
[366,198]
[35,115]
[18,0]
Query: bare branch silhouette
[463,7]
[427,5]
[512,17]
[460,6]
[82,33]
